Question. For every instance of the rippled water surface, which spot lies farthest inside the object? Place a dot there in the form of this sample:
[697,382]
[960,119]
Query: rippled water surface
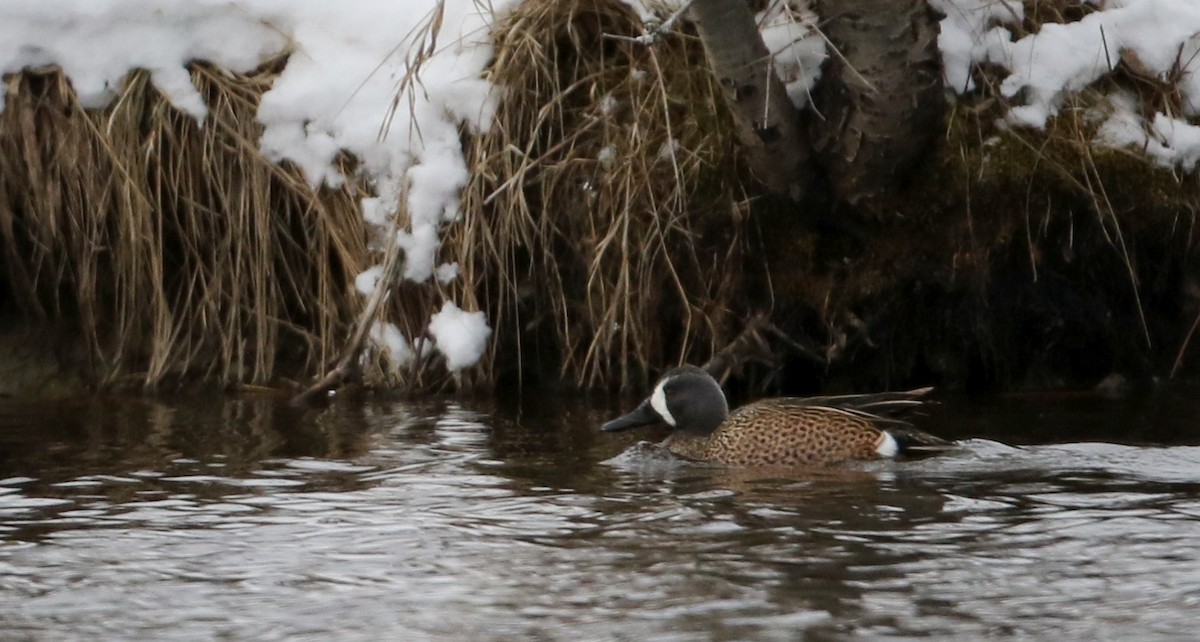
[243,519]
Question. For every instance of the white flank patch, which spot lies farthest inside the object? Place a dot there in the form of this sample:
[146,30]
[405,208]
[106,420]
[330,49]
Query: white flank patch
[888,447]
[658,401]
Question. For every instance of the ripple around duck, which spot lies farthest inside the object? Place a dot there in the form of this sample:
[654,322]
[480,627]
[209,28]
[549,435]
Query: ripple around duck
[444,522]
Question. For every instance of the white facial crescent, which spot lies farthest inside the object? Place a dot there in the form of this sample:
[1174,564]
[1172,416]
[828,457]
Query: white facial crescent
[658,401]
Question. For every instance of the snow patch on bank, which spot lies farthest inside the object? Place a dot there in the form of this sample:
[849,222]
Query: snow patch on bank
[98,43]
[1159,36]
[348,61]
[460,336]
[388,339]
[972,33]
[788,29]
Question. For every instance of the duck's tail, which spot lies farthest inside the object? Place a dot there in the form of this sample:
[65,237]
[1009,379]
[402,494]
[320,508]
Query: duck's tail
[913,442]
[889,411]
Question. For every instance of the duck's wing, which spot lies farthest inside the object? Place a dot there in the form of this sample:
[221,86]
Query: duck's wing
[876,403]
[887,412]
[881,407]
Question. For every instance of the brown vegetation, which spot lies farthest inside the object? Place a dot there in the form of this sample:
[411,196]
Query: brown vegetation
[605,216]
[170,247]
[610,230]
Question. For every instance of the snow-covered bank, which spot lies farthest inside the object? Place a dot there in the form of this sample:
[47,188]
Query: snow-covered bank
[1158,37]
[350,61]
[348,64]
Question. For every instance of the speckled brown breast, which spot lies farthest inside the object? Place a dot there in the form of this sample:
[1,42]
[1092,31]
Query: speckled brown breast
[784,432]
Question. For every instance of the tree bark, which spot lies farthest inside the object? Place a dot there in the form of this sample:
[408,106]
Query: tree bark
[767,121]
[879,101]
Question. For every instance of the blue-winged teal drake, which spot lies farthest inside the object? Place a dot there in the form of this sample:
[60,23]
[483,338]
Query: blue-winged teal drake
[785,431]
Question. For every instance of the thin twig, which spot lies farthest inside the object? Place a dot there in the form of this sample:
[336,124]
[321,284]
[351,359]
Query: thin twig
[654,32]
[1187,340]
[347,366]
[751,345]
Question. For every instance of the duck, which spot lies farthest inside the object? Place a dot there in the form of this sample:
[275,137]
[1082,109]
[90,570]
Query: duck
[779,431]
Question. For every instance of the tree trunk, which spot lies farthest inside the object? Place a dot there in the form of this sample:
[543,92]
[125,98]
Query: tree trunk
[767,121]
[879,101]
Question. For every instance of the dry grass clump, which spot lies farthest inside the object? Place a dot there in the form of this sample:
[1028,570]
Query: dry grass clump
[1056,208]
[1040,12]
[1019,250]
[605,209]
[1122,189]
[171,248]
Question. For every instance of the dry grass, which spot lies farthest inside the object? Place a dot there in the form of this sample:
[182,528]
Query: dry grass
[605,226]
[172,248]
[1063,179]
[605,211]
[603,222]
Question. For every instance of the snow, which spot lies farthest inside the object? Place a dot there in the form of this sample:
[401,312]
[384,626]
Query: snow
[1122,127]
[392,342]
[97,43]
[789,31]
[368,280]
[1175,142]
[607,156]
[1169,142]
[446,272]
[1044,68]
[338,91]
[460,336]
[970,34]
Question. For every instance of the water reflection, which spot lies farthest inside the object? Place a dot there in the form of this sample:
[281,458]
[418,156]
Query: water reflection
[242,518]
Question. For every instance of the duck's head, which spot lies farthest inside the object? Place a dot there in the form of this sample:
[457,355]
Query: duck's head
[687,398]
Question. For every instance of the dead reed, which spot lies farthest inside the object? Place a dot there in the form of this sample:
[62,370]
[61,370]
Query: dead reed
[172,249]
[1120,223]
[603,227]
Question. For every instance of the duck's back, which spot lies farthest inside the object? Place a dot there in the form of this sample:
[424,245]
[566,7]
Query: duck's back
[788,432]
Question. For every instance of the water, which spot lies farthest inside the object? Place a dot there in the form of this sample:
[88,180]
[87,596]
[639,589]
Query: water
[240,519]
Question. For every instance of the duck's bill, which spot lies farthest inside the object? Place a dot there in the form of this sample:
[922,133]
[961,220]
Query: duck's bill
[643,415]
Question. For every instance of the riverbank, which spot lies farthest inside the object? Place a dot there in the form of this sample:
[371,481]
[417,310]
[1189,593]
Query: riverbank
[567,208]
